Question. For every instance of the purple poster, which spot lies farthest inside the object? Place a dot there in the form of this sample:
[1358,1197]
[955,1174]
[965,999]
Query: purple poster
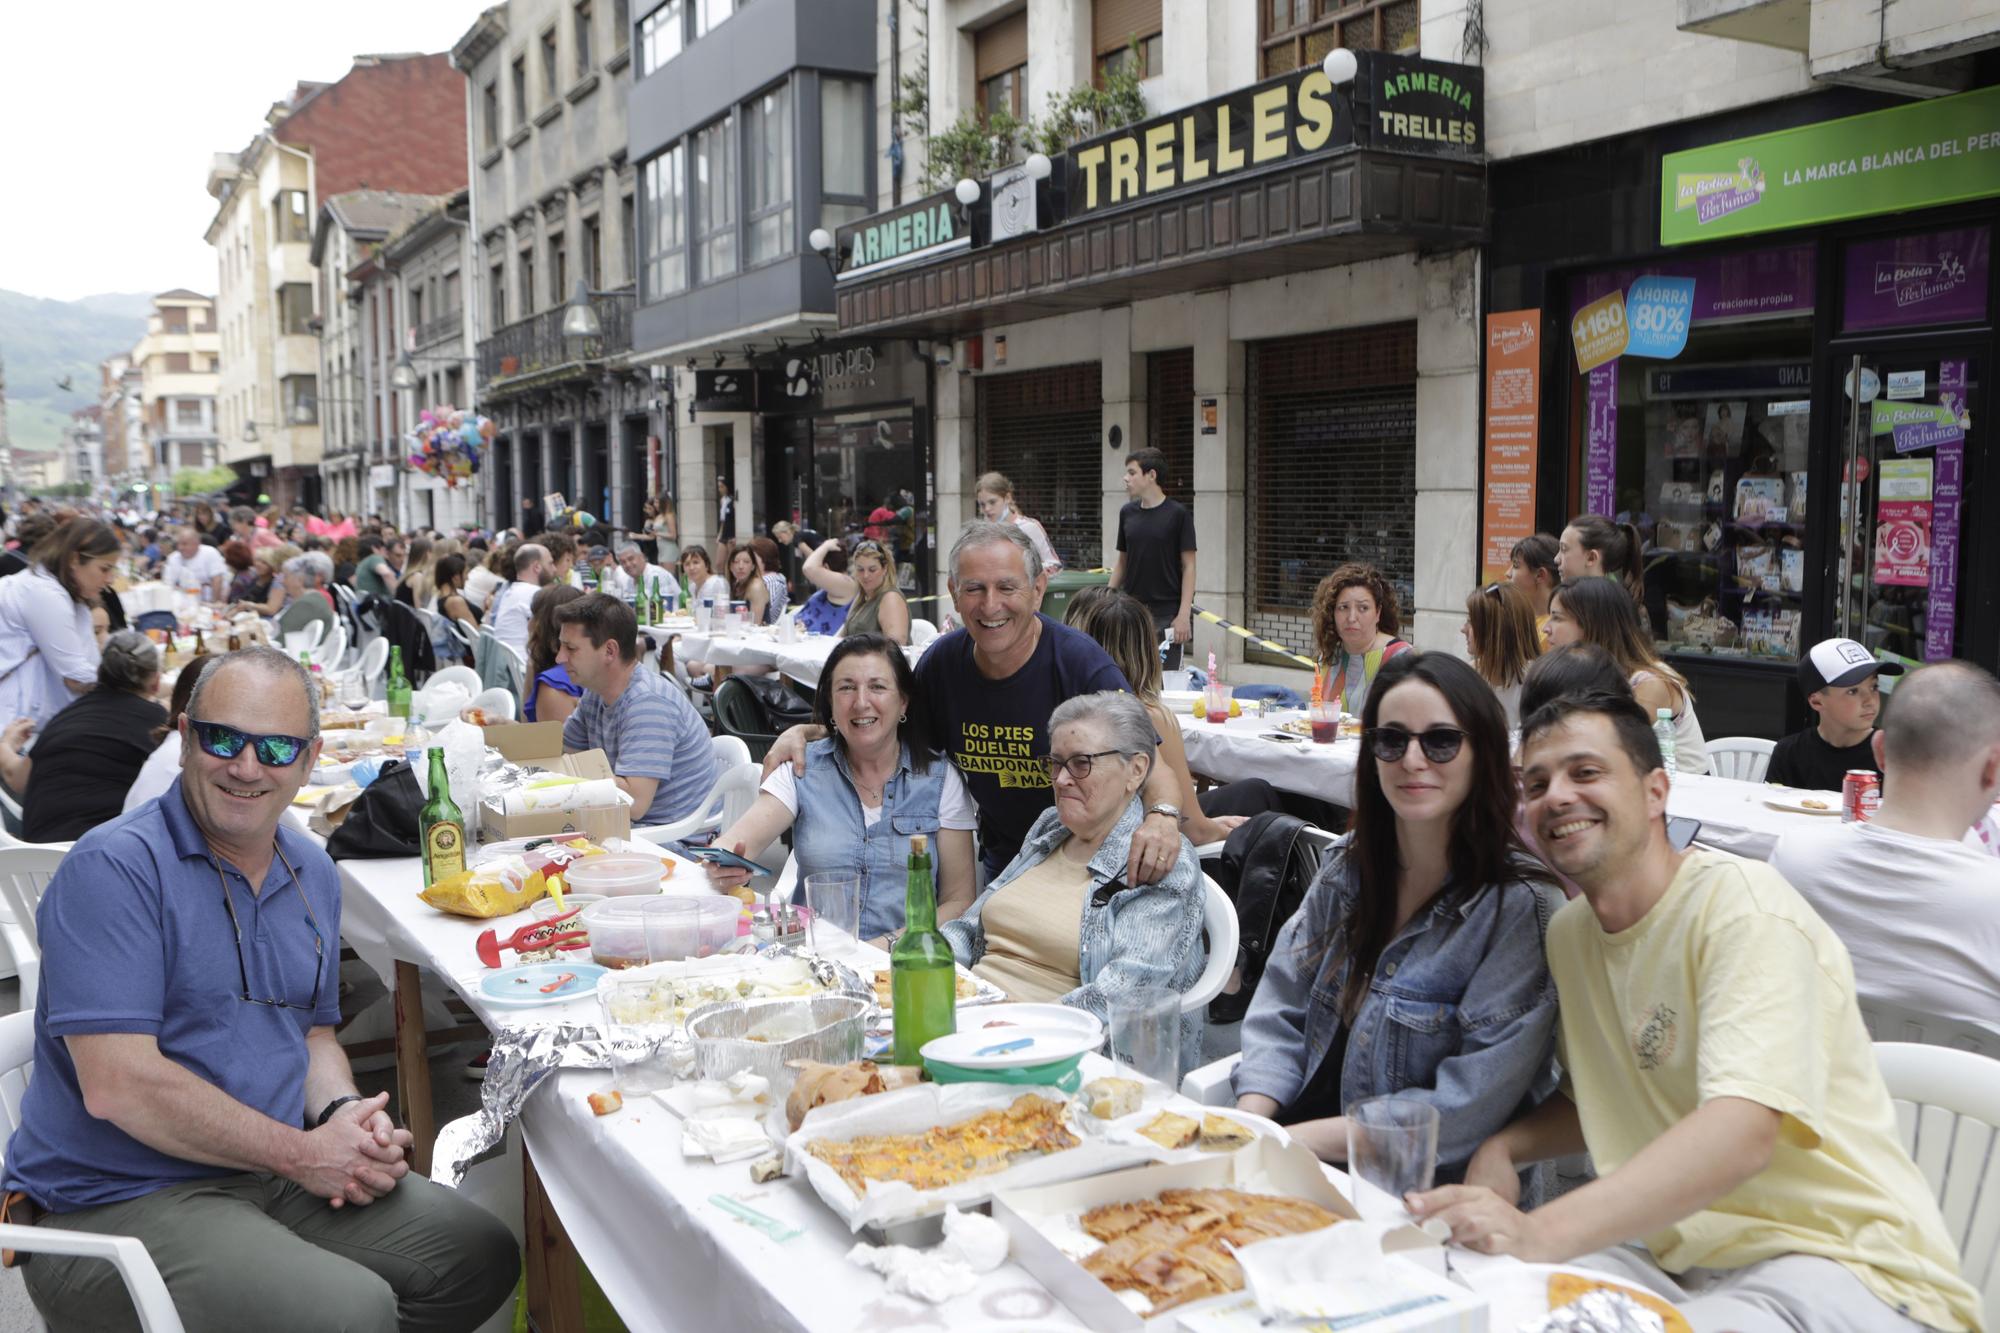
[1601,442]
[1753,284]
[1936,278]
[1941,621]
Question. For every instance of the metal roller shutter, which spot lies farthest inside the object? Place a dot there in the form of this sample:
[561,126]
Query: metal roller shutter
[1332,464]
[1041,428]
[1000,46]
[1114,23]
[1170,418]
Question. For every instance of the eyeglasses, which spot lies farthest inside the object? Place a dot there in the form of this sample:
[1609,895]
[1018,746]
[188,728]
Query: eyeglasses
[236,927]
[227,742]
[1440,744]
[1078,766]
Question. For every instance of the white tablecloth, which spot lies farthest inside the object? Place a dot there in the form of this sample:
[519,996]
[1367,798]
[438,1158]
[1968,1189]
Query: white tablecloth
[1736,817]
[1236,749]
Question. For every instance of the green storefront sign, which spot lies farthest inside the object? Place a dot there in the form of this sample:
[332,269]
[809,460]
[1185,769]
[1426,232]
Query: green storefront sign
[1915,156]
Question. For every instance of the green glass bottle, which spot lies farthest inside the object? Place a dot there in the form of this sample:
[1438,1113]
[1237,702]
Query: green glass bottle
[398,691]
[440,827]
[923,978]
[659,607]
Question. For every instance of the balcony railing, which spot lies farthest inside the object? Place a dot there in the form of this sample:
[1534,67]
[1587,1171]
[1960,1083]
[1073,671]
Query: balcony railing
[433,331]
[535,346]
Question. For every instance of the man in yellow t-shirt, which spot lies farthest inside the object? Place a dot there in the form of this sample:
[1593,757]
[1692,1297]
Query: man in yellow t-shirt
[1717,1071]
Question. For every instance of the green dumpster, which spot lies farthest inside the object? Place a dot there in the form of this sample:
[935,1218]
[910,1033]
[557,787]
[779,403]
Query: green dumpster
[1067,584]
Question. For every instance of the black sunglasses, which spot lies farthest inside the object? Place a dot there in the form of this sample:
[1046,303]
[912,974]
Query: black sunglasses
[1440,744]
[227,742]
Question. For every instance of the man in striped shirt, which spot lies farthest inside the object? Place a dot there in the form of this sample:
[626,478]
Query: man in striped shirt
[656,742]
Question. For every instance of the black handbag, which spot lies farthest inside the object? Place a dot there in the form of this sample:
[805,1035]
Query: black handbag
[383,820]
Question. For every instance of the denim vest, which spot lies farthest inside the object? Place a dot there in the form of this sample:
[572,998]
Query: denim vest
[1461,1011]
[829,834]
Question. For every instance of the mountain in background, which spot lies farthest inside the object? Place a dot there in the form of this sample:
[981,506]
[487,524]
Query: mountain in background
[45,341]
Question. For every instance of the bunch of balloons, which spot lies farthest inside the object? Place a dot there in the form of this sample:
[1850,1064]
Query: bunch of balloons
[449,441]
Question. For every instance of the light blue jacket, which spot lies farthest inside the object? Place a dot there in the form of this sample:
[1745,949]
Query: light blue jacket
[1148,936]
[1461,1012]
[828,833]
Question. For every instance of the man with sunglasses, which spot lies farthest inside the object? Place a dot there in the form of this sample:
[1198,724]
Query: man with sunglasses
[1716,1069]
[188,1087]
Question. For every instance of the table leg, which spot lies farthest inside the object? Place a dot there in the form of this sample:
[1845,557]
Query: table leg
[413,1066]
[555,1294]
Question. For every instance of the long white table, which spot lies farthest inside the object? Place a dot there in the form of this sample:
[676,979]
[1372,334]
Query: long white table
[802,660]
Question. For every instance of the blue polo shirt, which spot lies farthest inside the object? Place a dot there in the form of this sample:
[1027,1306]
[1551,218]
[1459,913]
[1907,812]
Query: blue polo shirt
[135,938]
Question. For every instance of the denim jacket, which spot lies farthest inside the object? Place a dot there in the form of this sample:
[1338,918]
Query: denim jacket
[1461,1012]
[1145,936]
[828,832]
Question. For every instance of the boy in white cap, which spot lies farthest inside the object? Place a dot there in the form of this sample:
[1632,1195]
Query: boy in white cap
[1838,678]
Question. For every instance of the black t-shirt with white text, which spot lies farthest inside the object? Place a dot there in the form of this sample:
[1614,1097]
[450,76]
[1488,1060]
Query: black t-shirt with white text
[1153,541]
[1806,760]
[997,731]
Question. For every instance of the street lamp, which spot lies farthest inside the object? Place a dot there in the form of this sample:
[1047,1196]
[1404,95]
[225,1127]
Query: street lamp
[1339,66]
[403,375]
[580,317]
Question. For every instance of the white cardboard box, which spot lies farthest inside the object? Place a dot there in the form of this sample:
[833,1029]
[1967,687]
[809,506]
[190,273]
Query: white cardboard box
[1263,1167]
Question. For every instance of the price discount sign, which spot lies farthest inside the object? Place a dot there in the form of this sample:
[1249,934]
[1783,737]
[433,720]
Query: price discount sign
[1657,311]
[1599,331]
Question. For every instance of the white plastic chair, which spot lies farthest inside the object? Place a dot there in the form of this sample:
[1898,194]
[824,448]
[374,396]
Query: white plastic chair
[1209,1085]
[1893,1023]
[921,632]
[150,1297]
[1948,1118]
[463,676]
[497,702]
[1744,758]
[732,794]
[327,654]
[25,871]
[307,639]
[1218,917]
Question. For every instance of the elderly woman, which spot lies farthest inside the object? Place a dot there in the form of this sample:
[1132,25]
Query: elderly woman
[873,782]
[88,754]
[1060,923]
[306,578]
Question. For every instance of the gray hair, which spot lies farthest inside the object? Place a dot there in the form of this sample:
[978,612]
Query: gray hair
[530,554]
[623,547]
[981,533]
[1121,714]
[130,661]
[310,565]
[1941,715]
[270,662]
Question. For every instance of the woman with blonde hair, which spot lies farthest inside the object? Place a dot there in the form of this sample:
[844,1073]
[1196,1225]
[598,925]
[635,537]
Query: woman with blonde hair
[868,589]
[994,495]
[1355,619]
[1501,637]
[1597,610]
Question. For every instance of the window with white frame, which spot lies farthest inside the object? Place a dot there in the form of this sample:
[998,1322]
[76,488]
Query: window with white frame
[715,200]
[662,34]
[709,14]
[663,184]
[844,113]
[769,171]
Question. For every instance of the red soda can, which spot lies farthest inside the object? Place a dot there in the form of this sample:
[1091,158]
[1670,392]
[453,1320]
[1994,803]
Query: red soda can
[1860,795]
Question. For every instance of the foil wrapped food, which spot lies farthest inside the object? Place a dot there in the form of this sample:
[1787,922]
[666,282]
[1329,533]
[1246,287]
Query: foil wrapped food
[523,1056]
[1598,1312]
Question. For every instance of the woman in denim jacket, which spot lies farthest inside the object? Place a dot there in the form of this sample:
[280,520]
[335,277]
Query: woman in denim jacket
[1415,964]
[1059,923]
[868,786]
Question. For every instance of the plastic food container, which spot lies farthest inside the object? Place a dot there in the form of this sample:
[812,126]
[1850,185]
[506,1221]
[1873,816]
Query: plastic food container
[615,876]
[764,1036]
[689,926]
[617,932]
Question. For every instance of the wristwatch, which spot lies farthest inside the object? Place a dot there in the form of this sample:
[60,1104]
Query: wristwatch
[326,1112]
[1172,812]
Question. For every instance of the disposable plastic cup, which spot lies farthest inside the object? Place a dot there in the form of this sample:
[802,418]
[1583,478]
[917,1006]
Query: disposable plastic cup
[1392,1144]
[1146,1033]
[1325,723]
[617,933]
[1216,699]
[834,898]
[637,1014]
[689,925]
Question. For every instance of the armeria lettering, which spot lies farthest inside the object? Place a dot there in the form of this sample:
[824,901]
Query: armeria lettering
[893,238]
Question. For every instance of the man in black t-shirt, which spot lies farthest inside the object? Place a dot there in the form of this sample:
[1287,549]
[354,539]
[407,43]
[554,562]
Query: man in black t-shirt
[1156,549]
[1838,678]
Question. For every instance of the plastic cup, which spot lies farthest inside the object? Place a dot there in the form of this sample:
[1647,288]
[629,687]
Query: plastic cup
[834,899]
[1216,697]
[1392,1143]
[1325,723]
[637,1010]
[617,933]
[688,925]
[1146,1033]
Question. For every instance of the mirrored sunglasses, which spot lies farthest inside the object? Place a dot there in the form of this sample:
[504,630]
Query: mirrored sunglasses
[227,742]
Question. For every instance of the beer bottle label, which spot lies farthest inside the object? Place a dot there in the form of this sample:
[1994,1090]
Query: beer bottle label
[444,848]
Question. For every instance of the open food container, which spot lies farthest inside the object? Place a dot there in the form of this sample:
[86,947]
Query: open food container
[616,876]
[1047,1239]
[688,925]
[765,1036]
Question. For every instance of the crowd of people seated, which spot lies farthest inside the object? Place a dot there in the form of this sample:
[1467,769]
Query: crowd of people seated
[1505,927]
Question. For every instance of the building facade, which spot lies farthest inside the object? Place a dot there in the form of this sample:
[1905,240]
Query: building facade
[552,207]
[1803,197]
[126,458]
[393,123]
[178,372]
[427,264]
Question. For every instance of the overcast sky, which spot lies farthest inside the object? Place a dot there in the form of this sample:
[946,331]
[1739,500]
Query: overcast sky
[109,112]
